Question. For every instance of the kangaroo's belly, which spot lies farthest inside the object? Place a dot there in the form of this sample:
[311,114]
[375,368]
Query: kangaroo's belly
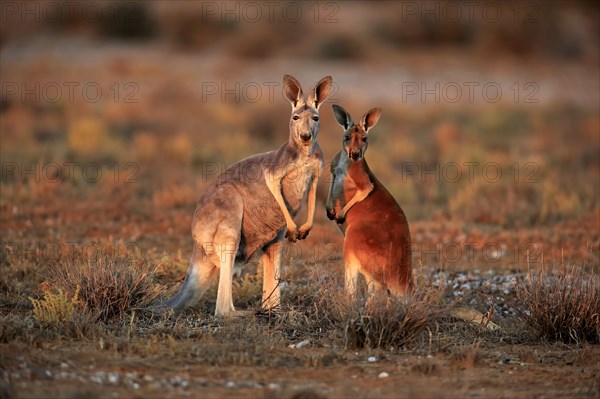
[295,186]
[379,211]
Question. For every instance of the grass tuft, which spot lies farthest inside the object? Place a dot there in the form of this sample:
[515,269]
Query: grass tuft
[384,321]
[108,287]
[562,306]
[55,307]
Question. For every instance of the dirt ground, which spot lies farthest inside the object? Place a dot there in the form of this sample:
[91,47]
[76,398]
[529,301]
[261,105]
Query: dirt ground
[487,370]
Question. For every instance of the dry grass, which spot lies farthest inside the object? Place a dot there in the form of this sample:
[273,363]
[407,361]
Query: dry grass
[562,306]
[380,321]
[386,322]
[324,313]
[55,307]
[108,287]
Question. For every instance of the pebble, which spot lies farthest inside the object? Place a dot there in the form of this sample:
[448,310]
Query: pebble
[113,378]
[300,344]
[372,359]
[177,381]
[383,374]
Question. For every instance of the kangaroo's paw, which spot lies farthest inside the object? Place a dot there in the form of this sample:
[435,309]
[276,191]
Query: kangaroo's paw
[291,234]
[303,232]
[330,214]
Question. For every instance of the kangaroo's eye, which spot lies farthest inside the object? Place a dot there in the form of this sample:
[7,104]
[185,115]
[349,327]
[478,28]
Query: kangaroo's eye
[346,138]
[295,117]
[364,139]
[315,118]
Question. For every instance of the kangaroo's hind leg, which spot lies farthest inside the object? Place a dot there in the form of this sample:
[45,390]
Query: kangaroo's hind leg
[227,239]
[373,286]
[271,261]
[351,272]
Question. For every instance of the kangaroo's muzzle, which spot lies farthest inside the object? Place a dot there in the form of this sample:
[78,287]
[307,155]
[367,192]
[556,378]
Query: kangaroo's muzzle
[354,155]
[306,137]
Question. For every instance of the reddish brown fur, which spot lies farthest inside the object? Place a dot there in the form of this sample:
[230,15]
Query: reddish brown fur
[377,234]
[375,228]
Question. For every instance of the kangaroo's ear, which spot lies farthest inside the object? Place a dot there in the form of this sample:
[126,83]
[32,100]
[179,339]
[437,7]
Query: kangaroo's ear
[370,119]
[342,117]
[293,90]
[322,90]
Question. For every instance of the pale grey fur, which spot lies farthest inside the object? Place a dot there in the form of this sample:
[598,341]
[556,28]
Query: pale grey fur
[240,213]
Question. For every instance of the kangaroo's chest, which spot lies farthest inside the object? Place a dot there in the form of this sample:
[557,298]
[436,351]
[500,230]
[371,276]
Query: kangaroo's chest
[344,187]
[298,180]
[347,180]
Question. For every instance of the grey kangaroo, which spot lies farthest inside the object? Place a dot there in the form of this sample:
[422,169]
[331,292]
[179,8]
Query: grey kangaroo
[251,207]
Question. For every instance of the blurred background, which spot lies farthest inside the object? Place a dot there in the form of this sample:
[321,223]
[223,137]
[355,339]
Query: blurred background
[115,115]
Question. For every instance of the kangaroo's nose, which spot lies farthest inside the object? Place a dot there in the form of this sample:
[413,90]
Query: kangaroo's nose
[355,155]
[306,137]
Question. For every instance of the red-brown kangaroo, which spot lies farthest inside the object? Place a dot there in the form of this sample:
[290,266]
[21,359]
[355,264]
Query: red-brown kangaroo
[376,235]
[377,239]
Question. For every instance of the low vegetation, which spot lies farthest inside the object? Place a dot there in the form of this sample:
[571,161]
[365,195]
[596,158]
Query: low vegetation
[563,305]
[55,307]
[107,287]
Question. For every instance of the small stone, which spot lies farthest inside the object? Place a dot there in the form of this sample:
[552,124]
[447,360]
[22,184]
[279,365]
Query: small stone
[230,384]
[300,344]
[64,365]
[383,374]
[135,385]
[273,386]
[113,378]
[372,359]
